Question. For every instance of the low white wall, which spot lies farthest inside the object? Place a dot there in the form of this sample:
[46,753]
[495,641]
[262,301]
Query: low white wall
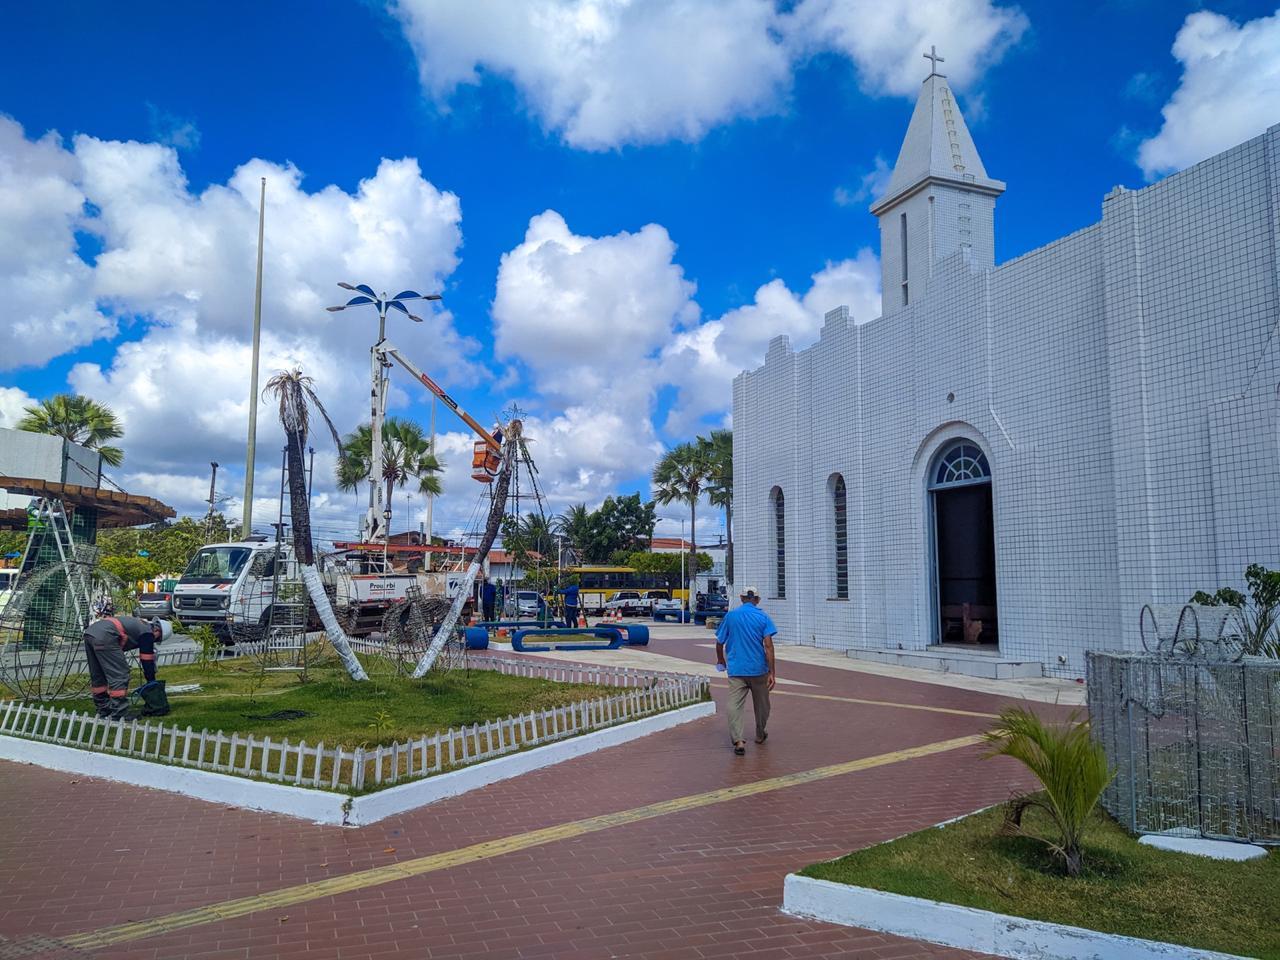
[322,806]
[969,929]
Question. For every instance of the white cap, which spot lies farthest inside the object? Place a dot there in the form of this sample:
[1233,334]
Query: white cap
[751,592]
[166,628]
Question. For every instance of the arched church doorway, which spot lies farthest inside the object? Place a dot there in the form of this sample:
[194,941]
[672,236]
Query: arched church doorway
[964,546]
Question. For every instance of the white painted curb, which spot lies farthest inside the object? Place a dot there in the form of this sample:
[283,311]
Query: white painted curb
[969,929]
[323,806]
[385,803]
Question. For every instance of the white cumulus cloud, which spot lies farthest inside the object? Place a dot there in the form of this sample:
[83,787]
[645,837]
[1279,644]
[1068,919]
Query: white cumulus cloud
[49,298]
[703,361]
[1227,92]
[604,73]
[13,404]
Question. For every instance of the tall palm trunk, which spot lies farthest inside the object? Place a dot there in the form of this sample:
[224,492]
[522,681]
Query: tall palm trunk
[693,553]
[497,509]
[304,549]
[728,533]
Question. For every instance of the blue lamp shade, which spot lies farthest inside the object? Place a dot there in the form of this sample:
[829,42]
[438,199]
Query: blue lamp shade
[407,295]
[365,288]
[357,301]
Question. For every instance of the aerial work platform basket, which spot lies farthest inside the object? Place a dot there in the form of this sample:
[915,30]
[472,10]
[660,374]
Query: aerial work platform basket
[485,462]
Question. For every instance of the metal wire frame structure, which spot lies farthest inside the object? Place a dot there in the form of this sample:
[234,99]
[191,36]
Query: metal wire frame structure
[42,627]
[1192,728]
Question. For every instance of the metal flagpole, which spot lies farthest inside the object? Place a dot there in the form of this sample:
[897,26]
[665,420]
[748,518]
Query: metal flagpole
[251,450]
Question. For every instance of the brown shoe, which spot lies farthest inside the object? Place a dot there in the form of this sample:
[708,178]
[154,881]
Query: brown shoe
[763,737]
[740,748]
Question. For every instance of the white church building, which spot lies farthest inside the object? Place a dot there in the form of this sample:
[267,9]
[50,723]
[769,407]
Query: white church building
[999,472]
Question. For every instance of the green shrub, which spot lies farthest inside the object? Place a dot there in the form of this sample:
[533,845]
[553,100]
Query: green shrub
[1071,768]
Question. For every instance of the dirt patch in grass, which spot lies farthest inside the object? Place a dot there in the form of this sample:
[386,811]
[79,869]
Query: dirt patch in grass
[1126,888]
[236,694]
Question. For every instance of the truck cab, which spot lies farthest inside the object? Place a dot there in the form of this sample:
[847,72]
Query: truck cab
[229,585]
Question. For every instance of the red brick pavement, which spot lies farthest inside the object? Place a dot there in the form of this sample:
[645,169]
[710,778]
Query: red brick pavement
[702,883]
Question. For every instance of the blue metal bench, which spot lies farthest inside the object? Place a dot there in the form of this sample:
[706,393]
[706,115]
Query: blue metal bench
[612,634]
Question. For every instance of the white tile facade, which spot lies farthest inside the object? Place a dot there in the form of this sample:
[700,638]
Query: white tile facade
[1124,383]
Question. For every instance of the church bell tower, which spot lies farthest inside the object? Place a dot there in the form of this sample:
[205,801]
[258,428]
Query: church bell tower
[939,200]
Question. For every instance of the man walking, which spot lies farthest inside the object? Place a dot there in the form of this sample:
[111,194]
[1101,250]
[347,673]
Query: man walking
[105,642]
[744,648]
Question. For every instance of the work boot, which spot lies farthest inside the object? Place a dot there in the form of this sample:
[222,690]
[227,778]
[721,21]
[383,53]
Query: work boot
[117,709]
[102,704]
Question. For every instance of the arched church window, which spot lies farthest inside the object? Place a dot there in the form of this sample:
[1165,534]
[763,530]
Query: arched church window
[961,463]
[779,543]
[840,518]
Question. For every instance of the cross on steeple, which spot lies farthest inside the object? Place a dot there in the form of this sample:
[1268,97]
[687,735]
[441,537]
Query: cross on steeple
[934,60]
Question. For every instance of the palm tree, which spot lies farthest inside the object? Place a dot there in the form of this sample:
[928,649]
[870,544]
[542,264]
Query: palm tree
[296,397]
[1070,765]
[79,420]
[681,475]
[406,455]
[719,450]
[575,526]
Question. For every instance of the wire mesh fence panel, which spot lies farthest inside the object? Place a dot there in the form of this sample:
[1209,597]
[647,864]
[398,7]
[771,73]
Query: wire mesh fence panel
[1193,742]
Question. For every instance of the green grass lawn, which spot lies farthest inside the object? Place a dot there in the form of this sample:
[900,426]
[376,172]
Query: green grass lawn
[1126,888]
[236,694]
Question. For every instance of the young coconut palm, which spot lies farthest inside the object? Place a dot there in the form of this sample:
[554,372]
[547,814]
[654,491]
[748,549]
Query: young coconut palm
[681,475]
[406,455]
[296,397]
[1071,767]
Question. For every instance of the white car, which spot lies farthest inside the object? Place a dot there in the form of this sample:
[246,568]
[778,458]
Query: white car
[628,602]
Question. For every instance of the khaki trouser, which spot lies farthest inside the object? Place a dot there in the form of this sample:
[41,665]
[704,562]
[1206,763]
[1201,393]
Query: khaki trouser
[759,690]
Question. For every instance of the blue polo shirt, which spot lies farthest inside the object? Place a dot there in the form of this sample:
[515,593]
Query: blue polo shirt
[742,631]
[570,595]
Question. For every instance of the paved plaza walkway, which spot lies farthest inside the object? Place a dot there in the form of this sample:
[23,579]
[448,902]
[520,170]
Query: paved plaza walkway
[669,847]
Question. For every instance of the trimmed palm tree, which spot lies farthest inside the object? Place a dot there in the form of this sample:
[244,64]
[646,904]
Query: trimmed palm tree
[406,455]
[79,420]
[1071,767]
[681,475]
[719,449]
[297,398]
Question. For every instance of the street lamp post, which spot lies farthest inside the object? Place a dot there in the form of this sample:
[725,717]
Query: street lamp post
[374,528]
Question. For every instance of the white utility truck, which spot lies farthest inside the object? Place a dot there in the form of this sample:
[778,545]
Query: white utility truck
[229,587]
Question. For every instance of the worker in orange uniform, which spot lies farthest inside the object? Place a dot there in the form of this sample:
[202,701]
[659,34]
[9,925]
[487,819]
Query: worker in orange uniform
[105,642]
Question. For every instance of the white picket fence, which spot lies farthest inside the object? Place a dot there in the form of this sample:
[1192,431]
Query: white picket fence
[362,768]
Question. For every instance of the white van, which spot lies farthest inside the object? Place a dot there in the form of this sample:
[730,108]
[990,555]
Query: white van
[228,586]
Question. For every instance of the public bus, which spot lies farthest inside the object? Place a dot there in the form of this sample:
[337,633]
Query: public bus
[597,585]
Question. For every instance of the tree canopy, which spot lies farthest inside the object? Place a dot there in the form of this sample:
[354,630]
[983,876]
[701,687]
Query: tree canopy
[78,419]
[620,523]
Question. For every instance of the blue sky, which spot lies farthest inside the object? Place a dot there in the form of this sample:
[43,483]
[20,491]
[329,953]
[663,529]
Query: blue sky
[752,171]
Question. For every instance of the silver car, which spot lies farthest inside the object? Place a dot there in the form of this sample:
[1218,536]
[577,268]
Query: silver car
[154,604]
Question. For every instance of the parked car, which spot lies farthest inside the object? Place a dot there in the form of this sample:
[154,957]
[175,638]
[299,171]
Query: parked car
[154,604]
[668,603]
[521,605]
[713,603]
[628,602]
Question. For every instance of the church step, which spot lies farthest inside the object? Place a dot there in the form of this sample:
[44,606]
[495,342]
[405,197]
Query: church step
[952,660]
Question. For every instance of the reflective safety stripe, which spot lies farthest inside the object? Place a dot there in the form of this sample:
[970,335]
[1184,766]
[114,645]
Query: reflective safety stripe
[101,689]
[146,656]
[118,694]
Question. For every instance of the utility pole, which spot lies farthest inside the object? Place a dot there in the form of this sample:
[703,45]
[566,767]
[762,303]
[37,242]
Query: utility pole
[251,450]
[431,497]
[213,488]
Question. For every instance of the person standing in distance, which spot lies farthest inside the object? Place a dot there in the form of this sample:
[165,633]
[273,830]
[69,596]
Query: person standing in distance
[744,649]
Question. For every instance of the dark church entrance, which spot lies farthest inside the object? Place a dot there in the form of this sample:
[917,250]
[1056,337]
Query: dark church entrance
[964,547]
